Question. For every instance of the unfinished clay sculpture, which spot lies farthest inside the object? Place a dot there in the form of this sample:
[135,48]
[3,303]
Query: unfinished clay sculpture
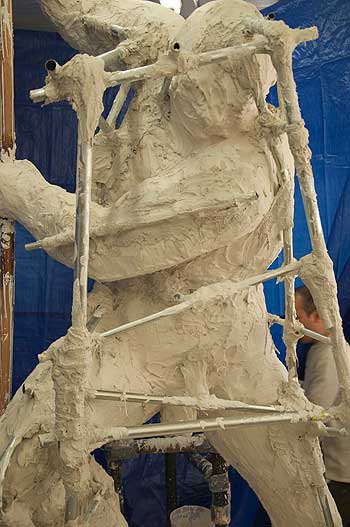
[191,197]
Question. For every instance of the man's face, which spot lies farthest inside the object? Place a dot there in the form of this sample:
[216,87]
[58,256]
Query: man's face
[303,317]
[310,321]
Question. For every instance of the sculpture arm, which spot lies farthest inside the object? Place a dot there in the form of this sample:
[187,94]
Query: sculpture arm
[202,205]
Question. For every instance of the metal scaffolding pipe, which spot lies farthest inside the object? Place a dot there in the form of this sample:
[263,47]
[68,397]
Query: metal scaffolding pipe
[82,235]
[289,336]
[191,402]
[170,484]
[203,425]
[118,104]
[219,485]
[183,306]
[281,46]
[168,67]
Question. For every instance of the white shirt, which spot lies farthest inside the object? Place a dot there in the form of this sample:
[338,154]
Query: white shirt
[321,387]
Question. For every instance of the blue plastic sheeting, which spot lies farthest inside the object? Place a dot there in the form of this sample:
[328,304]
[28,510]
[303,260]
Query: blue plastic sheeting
[47,136]
[339,250]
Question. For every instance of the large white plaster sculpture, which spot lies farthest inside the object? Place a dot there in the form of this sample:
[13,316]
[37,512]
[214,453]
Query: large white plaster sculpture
[191,198]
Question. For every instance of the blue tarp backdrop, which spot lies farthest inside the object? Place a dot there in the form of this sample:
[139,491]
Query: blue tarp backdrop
[47,136]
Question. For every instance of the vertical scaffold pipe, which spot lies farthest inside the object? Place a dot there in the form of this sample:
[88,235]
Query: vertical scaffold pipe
[321,269]
[317,269]
[82,226]
[82,82]
[289,334]
[77,355]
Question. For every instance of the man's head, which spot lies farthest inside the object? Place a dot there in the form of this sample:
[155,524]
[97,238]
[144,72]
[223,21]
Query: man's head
[307,312]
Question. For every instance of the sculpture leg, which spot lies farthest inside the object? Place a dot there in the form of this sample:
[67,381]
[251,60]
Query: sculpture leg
[224,347]
[283,466]
[282,463]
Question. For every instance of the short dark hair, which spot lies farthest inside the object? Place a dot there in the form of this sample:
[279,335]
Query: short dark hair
[307,300]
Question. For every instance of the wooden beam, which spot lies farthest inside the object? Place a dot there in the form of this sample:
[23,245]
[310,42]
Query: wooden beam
[6,70]
[6,226]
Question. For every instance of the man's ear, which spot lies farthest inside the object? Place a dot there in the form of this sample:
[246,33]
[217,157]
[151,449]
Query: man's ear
[314,316]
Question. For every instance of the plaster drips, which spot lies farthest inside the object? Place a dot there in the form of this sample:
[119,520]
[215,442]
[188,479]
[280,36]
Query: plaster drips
[169,215]
[82,82]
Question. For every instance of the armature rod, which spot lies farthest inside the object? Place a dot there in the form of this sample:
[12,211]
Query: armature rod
[166,67]
[188,303]
[290,337]
[169,68]
[118,104]
[82,226]
[211,403]
[202,425]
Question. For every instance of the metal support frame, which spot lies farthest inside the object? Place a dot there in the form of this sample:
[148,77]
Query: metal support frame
[7,227]
[168,66]
[208,403]
[213,468]
[206,425]
[281,43]
[118,104]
